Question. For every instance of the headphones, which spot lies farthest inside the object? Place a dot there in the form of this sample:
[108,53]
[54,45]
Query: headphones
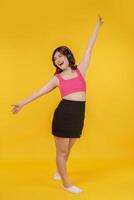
[68,53]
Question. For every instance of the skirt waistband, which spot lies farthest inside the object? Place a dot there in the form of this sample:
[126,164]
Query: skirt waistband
[75,101]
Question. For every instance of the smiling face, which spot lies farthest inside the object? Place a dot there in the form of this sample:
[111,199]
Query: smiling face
[61,60]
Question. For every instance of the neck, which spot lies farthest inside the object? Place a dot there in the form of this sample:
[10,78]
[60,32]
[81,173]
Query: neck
[68,70]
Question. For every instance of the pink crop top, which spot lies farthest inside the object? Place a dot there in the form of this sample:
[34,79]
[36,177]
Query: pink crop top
[67,86]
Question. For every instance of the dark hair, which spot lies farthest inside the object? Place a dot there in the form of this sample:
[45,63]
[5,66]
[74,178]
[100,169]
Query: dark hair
[67,52]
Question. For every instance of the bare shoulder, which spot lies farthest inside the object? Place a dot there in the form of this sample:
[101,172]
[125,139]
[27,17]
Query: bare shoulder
[56,80]
[82,70]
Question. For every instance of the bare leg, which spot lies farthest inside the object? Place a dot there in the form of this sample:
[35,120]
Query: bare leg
[71,143]
[62,146]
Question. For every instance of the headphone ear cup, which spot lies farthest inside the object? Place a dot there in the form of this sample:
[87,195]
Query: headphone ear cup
[68,55]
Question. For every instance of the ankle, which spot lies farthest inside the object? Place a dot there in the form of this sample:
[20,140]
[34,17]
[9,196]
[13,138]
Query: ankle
[67,183]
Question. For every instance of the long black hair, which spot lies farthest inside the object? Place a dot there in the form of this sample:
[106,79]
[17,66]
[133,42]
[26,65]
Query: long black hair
[67,52]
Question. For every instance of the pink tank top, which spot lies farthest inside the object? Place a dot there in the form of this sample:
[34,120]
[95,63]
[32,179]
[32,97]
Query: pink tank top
[76,84]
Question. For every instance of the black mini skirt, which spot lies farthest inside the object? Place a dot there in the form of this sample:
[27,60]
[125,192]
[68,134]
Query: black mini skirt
[68,119]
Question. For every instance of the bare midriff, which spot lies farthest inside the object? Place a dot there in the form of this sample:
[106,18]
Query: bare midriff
[76,96]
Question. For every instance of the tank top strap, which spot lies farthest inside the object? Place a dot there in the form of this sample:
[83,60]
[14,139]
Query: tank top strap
[59,77]
[79,73]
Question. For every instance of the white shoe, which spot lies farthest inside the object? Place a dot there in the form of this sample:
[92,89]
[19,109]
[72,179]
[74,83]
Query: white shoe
[57,177]
[73,189]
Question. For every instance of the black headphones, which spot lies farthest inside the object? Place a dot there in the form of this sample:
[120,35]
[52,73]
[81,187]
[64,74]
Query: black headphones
[68,53]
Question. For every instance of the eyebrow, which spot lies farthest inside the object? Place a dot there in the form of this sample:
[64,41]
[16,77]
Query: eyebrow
[58,55]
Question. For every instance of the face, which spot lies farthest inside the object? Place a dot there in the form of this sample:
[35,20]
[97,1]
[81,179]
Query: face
[61,60]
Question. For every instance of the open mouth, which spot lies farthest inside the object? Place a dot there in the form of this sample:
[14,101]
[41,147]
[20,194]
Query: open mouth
[61,63]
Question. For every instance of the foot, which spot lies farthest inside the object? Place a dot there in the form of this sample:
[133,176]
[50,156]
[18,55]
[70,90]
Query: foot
[57,176]
[73,189]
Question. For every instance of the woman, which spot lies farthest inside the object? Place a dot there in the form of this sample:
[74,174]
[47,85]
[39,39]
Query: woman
[68,118]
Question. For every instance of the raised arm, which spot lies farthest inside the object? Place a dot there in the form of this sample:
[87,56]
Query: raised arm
[83,66]
[49,86]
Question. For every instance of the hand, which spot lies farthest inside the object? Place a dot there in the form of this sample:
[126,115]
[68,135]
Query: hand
[100,22]
[16,107]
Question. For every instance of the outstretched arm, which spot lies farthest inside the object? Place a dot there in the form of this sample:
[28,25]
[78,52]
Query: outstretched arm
[48,87]
[52,84]
[86,58]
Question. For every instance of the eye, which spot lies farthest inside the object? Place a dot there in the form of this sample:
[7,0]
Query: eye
[60,55]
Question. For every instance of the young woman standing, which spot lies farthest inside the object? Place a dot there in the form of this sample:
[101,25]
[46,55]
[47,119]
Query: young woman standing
[69,115]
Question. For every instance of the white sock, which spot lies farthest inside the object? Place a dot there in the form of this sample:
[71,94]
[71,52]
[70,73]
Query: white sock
[57,176]
[73,189]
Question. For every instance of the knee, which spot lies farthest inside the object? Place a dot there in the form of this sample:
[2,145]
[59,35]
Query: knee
[63,153]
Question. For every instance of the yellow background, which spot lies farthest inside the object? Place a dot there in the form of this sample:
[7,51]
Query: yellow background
[29,32]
